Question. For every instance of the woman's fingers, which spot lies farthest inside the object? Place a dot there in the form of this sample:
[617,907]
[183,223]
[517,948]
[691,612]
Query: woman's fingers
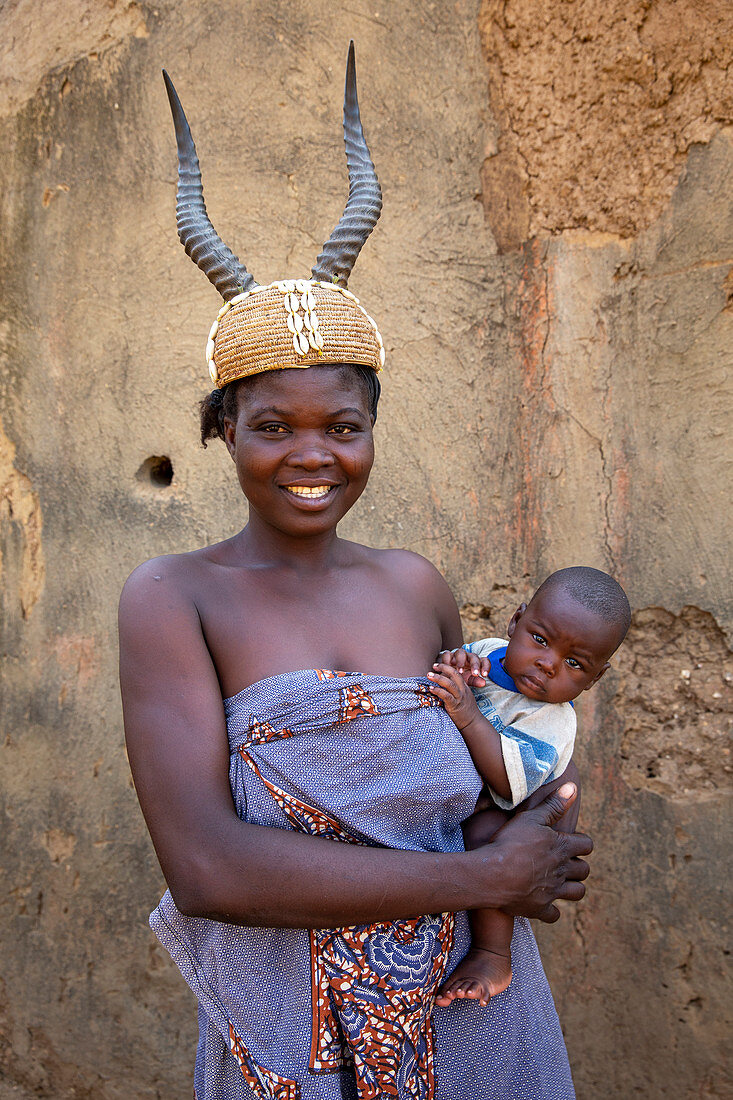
[549,915]
[578,844]
[554,807]
[571,891]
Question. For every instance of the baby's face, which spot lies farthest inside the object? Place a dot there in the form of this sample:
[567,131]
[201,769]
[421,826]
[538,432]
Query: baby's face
[557,648]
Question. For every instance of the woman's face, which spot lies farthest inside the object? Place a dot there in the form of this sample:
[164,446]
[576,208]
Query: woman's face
[302,444]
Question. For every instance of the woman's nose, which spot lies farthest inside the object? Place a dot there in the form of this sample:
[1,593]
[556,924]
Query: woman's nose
[310,456]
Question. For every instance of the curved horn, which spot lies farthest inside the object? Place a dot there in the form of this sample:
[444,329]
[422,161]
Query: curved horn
[364,203]
[197,234]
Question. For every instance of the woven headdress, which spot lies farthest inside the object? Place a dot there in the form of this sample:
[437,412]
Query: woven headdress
[293,322]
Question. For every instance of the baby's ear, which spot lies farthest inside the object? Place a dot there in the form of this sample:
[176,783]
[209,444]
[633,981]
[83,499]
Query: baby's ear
[515,619]
[597,677]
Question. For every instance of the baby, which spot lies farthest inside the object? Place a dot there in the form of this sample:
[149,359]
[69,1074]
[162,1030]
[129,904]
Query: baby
[519,724]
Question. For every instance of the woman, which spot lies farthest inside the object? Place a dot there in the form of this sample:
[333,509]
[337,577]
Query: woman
[237,716]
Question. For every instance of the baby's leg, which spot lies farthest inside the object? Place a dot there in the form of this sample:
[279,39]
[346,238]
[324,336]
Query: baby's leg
[486,969]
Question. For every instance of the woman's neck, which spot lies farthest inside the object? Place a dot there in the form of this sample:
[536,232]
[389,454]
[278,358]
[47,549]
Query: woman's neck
[260,543]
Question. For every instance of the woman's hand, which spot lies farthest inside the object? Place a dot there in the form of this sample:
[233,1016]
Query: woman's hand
[537,865]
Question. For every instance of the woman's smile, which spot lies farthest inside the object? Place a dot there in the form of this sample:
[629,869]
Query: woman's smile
[311,492]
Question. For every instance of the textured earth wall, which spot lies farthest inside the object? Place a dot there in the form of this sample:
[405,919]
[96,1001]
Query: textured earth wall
[553,280]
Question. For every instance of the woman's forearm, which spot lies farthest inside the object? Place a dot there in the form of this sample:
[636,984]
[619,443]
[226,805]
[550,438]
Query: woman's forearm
[272,877]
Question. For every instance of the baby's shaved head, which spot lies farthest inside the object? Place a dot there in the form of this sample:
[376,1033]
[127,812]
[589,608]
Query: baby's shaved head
[595,590]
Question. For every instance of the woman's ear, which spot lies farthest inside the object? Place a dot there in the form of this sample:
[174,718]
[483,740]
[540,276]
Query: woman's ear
[230,432]
[515,619]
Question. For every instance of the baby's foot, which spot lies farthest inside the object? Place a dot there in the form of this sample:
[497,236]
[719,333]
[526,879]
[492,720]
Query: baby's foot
[479,976]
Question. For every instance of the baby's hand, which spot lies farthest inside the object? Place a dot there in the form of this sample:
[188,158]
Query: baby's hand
[475,670]
[448,684]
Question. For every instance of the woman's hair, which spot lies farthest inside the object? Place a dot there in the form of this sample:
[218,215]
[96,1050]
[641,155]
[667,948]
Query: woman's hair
[221,404]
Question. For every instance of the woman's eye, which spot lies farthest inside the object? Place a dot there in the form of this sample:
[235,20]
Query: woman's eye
[272,429]
[342,429]
[539,639]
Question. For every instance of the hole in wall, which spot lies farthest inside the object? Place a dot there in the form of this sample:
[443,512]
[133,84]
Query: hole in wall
[156,471]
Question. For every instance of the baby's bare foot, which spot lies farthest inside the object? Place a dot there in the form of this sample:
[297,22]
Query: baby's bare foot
[479,976]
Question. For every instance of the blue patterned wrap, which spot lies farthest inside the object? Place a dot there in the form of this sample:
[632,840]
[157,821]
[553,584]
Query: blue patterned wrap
[347,1014]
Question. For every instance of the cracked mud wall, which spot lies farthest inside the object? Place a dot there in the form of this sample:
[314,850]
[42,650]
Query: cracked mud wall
[595,108]
[607,182]
[552,277]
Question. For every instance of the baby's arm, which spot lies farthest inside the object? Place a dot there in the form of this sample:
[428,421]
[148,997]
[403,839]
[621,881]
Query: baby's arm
[482,740]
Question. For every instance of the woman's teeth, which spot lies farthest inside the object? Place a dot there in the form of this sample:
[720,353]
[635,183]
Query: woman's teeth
[313,492]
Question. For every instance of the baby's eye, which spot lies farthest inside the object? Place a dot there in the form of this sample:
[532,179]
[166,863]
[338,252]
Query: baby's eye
[574,664]
[539,639]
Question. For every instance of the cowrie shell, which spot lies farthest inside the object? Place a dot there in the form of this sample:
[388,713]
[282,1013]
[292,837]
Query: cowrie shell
[292,302]
[296,343]
[312,340]
[304,345]
[212,371]
[318,339]
[382,357]
[287,285]
[295,322]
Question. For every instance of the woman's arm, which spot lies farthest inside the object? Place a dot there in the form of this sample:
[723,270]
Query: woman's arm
[219,866]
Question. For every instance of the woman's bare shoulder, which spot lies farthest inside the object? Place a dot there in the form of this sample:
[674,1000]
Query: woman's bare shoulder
[164,597]
[176,574]
[406,565]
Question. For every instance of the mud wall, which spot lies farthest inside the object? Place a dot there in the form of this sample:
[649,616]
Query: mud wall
[552,276]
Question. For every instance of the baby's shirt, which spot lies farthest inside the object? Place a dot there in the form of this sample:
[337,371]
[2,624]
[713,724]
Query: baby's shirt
[536,738]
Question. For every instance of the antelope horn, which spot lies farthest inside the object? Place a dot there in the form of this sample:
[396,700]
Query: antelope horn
[364,203]
[197,234]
